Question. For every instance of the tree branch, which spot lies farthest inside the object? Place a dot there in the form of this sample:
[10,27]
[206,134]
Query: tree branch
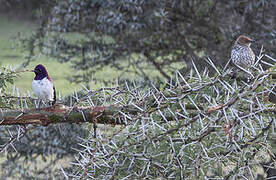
[62,114]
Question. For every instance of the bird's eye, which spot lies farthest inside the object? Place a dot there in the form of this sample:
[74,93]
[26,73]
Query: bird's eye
[38,71]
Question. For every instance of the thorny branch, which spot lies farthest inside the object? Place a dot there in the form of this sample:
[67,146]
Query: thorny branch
[178,131]
[199,107]
[21,132]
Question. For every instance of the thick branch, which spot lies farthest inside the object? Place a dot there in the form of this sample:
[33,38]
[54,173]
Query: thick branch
[62,114]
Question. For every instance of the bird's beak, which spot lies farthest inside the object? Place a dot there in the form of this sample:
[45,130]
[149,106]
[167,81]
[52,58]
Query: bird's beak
[28,70]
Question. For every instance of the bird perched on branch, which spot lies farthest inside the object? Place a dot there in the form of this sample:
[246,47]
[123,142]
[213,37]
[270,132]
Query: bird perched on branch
[242,55]
[43,85]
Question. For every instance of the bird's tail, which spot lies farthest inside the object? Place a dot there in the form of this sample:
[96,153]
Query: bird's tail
[55,97]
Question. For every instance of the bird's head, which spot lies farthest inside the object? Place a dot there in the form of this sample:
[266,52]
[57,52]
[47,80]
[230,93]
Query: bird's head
[40,72]
[244,40]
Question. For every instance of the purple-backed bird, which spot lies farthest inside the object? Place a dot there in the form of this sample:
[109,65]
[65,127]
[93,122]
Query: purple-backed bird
[43,85]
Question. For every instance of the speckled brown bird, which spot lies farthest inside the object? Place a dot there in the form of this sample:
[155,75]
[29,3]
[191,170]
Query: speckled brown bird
[241,54]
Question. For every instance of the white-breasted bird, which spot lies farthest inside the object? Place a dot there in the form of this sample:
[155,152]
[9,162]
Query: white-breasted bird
[43,85]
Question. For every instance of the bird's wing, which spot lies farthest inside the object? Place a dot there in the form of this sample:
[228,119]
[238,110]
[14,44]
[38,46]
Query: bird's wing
[55,98]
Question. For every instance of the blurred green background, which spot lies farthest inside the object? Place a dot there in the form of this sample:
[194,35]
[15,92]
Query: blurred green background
[12,56]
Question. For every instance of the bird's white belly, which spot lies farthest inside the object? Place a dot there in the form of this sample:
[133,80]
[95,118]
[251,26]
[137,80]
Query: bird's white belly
[43,89]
